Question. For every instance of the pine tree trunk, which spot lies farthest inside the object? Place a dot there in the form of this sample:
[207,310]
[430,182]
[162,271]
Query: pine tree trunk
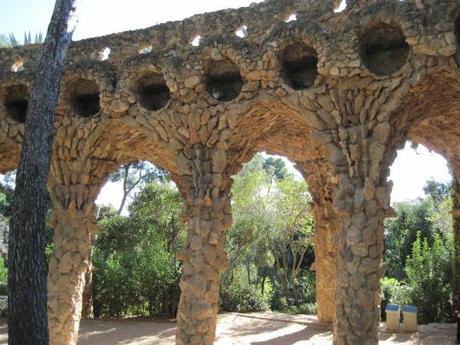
[456,223]
[27,309]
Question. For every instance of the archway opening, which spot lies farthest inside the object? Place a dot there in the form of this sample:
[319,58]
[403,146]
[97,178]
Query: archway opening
[152,92]
[419,237]
[270,244]
[16,102]
[299,66]
[85,98]
[384,49]
[136,270]
[223,79]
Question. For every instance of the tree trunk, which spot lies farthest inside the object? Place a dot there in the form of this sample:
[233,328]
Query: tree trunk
[456,223]
[27,310]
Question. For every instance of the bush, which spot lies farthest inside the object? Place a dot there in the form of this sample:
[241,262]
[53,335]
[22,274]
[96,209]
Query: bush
[136,272]
[237,295]
[244,299]
[430,273]
[306,308]
[393,291]
[3,277]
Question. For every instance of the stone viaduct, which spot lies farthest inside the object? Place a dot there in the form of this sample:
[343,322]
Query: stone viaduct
[337,93]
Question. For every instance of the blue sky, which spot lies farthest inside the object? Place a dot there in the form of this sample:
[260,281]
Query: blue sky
[99,17]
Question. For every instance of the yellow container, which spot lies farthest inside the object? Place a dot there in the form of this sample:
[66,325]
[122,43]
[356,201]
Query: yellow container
[393,315]
[409,318]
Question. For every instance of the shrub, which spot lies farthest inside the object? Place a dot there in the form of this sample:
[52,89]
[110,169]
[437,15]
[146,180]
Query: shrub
[393,291]
[244,299]
[237,295]
[430,273]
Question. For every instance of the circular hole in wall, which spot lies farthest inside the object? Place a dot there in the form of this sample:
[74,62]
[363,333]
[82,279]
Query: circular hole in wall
[16,102]
[223,80]
[85,98]
[384,49]
[299,63]
[152,91]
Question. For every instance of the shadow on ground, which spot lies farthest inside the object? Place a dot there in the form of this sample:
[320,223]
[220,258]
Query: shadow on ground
[243,329]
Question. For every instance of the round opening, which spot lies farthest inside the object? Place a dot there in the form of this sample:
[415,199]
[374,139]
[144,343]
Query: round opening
[384,49]
[153,94]
[85,99]
[16,102]
[299,63]
[223,80]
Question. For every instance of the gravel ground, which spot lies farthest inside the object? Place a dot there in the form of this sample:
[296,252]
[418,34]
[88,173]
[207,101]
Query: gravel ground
[243,329]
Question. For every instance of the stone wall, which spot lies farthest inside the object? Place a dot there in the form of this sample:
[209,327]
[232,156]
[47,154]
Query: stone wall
[337,93]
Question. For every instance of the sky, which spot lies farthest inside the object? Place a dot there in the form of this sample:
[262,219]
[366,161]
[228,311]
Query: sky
[99,17]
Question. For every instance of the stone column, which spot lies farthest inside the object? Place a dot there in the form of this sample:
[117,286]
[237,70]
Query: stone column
[73,219]
[208,213]
[321,185]
[327,225]
[354,125]
[69,263]
[359,263]
[362,200]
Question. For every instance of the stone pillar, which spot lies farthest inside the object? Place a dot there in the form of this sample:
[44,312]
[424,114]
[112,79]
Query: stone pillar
[326,225]
[359,141]
[321,185]
[359,263]
[87,308]
[73,186]
[66,280]
[208,213]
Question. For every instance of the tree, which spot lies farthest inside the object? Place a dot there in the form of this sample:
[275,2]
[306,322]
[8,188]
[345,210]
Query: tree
[293,232]
[13,42]
[272,231]
[430,274]
[135,175]
[401,232]
[4,43]
[136,269]
[27,300]
[438,191]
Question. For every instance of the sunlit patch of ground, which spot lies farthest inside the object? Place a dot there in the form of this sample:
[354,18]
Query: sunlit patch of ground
[244,329]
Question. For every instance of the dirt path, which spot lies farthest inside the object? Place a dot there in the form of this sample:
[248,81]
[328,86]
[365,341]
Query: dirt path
[249,329]
[243,329]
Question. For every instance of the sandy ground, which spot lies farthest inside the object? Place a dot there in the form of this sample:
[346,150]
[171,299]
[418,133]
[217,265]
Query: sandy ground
[239,329]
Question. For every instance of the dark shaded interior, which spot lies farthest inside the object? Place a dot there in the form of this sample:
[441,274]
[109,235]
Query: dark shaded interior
[152,91]
[16,102]
[85,99]
[299,63]
[223,80]
[384,49]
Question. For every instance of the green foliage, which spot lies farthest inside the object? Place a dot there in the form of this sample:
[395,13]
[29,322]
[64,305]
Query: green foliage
[401,232]
[429,274]
[393,291]
[13,42]
[237,295]
[272,229]
[419,250]
[437,191]
[137,175]
[3,277]
[4,43]
[136,271]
